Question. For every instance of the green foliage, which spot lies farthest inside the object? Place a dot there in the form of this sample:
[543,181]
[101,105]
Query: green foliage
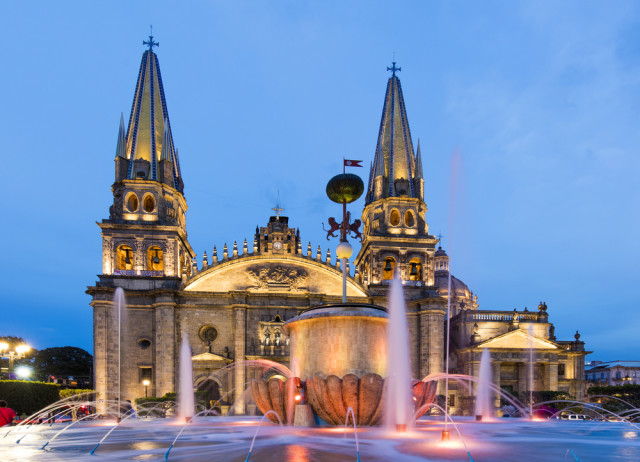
[63,361]
[629,393]
[28,397]
[171,396]
[87,395]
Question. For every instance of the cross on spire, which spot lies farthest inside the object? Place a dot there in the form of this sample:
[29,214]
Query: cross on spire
[393,69]
[277,208]
[439,236]
[150,42]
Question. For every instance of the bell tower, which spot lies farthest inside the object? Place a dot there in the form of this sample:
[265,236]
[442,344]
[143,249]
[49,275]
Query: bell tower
[145,234]
[396,234]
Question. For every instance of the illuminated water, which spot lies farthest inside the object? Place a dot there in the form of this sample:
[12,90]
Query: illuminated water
[186,405]
[228,439]
[484,406]
[398,382]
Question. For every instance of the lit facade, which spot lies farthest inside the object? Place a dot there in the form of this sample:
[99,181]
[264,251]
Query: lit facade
[232,304]
[609,373]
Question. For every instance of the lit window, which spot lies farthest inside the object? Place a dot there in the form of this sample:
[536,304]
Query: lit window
[124,258]
[415,270]
[408,219]
[149,203]
[395,218]
[132,202]
[155,259]
[388,268]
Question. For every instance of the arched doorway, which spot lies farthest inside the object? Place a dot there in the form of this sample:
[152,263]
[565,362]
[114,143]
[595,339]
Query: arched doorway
[210,392]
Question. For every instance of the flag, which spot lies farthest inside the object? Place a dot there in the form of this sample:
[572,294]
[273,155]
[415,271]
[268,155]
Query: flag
[352,163]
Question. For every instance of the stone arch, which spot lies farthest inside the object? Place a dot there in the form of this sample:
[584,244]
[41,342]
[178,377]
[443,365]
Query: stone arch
[155,257]
[131,202]
[415,269]
[149,203]
[125,257]
[409,218]
[389,263]
[394,217]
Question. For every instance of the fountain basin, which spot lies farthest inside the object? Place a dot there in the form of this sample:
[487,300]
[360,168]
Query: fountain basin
[339,339]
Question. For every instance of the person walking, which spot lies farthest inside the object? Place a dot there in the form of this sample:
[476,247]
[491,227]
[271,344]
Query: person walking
[6,414]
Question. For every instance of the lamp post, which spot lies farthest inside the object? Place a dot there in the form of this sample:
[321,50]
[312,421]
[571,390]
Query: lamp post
[12,355]
[146,383]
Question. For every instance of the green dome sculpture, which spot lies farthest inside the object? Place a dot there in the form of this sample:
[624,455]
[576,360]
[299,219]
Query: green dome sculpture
[345,187]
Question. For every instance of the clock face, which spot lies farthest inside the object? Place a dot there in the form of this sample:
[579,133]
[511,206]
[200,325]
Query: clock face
[277,245]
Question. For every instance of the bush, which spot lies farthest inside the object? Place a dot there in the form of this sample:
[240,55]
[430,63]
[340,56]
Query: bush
[28,397]
[87,395]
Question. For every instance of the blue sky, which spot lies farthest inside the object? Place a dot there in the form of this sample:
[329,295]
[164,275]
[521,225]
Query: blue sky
[540,99]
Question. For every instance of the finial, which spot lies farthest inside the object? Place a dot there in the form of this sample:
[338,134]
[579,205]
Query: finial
[393,68]
[150,42]
[439,236]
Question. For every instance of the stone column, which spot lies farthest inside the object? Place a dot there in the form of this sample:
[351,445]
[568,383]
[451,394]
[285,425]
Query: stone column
[496,382]
[523,378]
[239,336]
[551,376]
[165,346]
[475,372]
[432,342]
[101,354]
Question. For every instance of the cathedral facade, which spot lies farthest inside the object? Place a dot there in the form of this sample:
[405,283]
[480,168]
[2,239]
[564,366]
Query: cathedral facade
[231,305]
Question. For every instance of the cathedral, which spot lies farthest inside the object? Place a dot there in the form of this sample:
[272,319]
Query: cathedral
[232,304]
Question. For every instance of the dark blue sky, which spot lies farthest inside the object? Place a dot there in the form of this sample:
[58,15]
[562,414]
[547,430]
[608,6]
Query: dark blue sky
[540,99]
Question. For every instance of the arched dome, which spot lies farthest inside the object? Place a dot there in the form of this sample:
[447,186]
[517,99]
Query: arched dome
[440,252]
[459,288]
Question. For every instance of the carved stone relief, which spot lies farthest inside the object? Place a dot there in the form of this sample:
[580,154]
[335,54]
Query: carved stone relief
[277,277]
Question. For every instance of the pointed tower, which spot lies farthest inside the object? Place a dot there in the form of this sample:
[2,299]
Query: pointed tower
[396,235]
[145,250]
[145,234]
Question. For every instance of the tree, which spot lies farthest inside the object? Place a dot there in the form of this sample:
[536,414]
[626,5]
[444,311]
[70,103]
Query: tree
[63,361]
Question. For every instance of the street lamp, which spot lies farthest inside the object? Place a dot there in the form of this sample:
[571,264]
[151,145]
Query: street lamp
[11,355]
[146,383]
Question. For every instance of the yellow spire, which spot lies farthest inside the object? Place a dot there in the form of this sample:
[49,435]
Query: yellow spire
[394,159]
[149,135]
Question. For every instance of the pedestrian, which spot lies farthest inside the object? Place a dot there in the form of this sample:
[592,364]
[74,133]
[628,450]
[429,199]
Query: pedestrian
[6,414]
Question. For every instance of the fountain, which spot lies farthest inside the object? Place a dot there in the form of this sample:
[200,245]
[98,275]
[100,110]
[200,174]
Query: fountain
[398,403]
[340,356]
[484,407]
[360,343]
[185,387]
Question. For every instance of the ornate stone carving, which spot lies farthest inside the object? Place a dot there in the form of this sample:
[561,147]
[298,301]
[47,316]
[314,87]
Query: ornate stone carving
[277,277]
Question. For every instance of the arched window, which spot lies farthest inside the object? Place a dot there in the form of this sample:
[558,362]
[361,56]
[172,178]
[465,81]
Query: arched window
[408,219]
[124,258]
[149,203]
[132,202]
[388,268]
[415,270]
[155,261]
[394,218]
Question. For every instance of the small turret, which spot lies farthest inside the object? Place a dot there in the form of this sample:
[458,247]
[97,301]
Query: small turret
[214,255]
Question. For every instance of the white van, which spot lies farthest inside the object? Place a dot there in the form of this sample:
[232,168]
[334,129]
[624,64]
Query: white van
[574,417]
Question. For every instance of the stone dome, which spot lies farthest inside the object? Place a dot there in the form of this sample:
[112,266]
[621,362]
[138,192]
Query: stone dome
[459,288]
[440,252]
